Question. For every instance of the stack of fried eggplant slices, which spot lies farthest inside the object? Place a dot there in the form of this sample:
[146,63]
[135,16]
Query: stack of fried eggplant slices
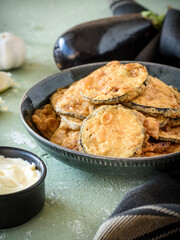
[119,110]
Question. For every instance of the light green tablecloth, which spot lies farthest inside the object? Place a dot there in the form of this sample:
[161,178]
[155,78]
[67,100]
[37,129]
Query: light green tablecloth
[76,202]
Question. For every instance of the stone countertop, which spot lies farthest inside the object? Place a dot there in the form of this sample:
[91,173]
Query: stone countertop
[76,202]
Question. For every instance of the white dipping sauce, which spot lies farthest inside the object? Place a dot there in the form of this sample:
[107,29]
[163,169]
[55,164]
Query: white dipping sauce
[16,174]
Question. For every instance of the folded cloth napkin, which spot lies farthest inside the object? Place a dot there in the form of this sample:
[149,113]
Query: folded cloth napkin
[147,212]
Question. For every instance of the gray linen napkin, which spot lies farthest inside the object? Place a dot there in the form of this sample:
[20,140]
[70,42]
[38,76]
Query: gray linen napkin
[147,212]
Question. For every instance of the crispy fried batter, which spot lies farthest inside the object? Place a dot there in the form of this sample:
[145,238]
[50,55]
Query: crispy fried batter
[114,83]
[151,124]
[158,98]
[72,103]
[169,142]
[171,134]
[112,131]
[174,147]
[157,94]
[66,138]
[70,123]
[174,122]
[46,120]
[150,128]
[153,148]
[159,147]
[162,121]
[176,93]
[57,96]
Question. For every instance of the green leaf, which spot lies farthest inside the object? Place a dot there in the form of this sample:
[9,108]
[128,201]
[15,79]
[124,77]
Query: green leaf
[156,20]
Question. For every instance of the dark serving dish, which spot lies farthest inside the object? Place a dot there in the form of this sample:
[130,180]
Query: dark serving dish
[39,95]
[19,207]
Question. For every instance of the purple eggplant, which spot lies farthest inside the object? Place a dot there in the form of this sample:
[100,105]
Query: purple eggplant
[150,53]
[170,38]
[114,38]
[121,7]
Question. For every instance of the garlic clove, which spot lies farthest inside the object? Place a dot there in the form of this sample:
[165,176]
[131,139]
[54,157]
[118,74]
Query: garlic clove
[12,51]
[2,107]
[5,81]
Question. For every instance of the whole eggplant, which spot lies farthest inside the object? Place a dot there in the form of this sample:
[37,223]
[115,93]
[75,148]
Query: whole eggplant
[121,7]
[150,53]
[113,38]
[170,38]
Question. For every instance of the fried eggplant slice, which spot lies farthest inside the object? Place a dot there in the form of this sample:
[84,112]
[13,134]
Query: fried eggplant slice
[174,147]
[66,138]
[174,122]
[176,93]
[162,121]
[57,96]
[70,123]
[72,103]
[46,120]
[155,148]
[152,147]
[152,127]
[157,99]
[152,124]
[112,131]
[171,134]
[115,83]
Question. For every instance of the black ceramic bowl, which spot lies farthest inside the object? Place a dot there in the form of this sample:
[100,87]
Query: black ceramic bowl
[39,95]
[19,207]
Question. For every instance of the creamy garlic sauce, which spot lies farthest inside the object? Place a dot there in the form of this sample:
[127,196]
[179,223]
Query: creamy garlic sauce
[16,174]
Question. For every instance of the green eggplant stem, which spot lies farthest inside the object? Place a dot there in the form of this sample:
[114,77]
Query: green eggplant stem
[156,20]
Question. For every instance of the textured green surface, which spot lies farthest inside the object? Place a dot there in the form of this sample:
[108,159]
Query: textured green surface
[76,202]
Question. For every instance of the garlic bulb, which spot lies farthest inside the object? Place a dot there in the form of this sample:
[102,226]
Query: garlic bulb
[12,51]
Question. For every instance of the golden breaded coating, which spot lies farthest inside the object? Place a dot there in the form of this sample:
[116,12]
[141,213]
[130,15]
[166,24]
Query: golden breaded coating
[115,83]
[87,115]
[159,118]
[174,122]
[158,98]
[174,147]
[66,138]
[153,148]
[72,103]
[57,96]
[152,127]
[176,93]
[171,134]
[112,131]
[152,124]
[71,123]
[46,120]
